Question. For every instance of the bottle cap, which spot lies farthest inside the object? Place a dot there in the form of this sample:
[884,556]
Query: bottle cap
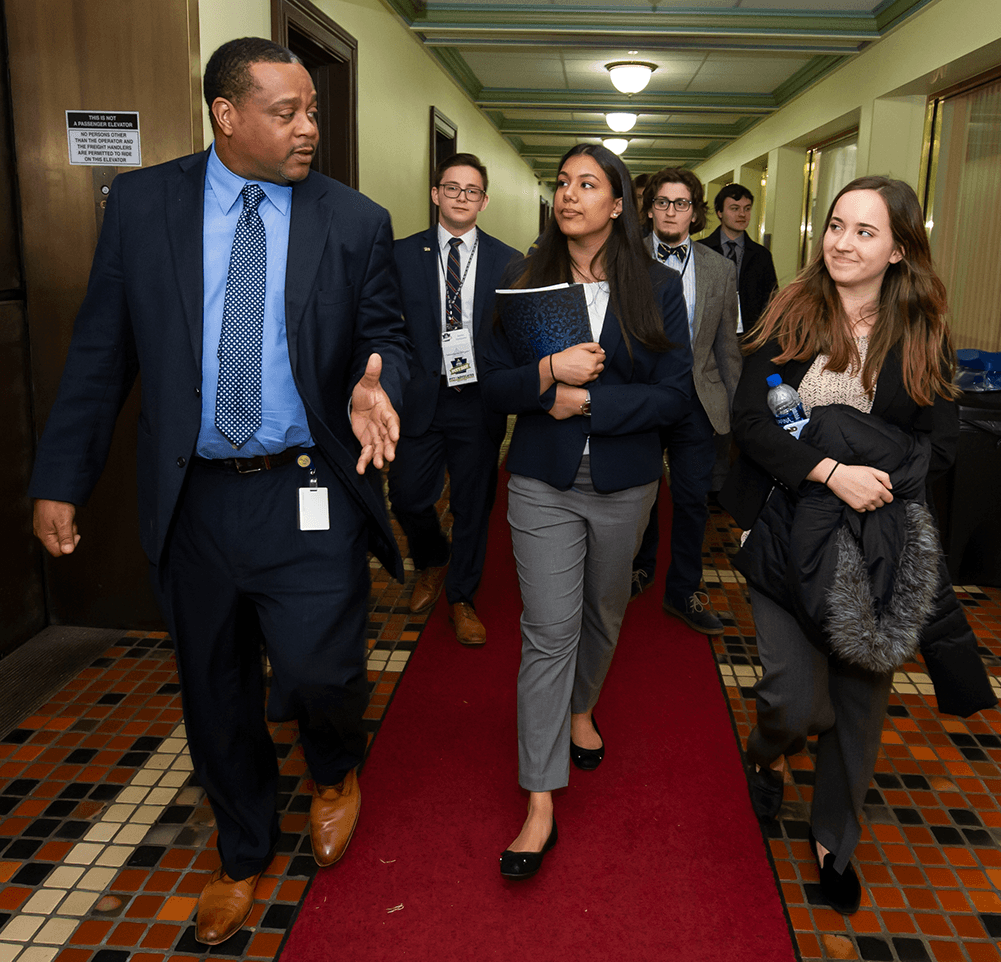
[774,380]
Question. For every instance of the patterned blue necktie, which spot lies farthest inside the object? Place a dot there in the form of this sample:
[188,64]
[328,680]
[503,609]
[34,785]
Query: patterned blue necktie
[238,395]
[453,288]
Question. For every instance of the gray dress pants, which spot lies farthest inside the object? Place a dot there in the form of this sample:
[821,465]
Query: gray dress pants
[574,551]
[804,691]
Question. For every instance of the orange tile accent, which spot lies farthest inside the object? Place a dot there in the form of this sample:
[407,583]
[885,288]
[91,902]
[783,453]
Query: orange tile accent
[13,898]
[933,925]
[946,952]
[866,922]
[985,901]
[264,945]
[982,952]
[90,933]
[291,891]
[7,870]
[898,922]
[800,918]
[177,909]
[887,898]
[177,858]
[144,907]
[953,901]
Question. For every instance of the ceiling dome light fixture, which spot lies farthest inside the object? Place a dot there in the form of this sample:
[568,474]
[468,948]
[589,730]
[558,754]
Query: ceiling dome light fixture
[620,122]
[630,76]
[616,145]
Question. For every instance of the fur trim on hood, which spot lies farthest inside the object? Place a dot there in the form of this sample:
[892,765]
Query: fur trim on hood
[883,641]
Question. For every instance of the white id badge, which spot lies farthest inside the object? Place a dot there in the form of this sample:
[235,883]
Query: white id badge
[314,513]
[460,361]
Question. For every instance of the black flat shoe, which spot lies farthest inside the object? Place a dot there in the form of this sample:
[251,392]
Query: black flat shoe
[842,890]
[587,759]
[766,788]
[522,865]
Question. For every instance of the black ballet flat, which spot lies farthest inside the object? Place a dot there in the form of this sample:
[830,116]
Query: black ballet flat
[522,865]
[843,891]
[587,759]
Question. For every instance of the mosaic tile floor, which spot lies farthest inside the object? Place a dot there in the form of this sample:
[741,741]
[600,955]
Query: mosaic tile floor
[105,842]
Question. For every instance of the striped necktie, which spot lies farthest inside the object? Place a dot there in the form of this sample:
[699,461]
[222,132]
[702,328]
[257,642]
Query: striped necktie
[453,288]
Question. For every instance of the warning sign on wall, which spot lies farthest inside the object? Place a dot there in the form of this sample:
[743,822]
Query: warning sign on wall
[101,138]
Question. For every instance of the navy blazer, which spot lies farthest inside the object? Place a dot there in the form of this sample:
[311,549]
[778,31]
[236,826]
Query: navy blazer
[417,265]
[630,401]
[757,278]
[143,312]
[769,454]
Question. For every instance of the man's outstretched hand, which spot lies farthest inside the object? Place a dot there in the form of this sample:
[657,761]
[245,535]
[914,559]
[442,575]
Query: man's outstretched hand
[374,421]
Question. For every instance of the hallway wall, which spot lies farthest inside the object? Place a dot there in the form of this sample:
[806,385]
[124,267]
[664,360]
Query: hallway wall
[398,82]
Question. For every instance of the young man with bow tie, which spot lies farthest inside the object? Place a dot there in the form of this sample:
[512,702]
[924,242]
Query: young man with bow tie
[674,204]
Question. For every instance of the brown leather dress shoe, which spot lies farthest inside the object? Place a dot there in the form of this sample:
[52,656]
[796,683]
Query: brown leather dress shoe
[468,628]
[427,589]
[333,816]
[223,907]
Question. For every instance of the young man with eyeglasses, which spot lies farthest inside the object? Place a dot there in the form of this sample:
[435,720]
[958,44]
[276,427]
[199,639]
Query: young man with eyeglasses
[755,270]
[673,203]
[448,275]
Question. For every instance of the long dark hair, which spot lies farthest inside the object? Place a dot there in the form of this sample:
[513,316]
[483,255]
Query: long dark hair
[624,256]
[807,317]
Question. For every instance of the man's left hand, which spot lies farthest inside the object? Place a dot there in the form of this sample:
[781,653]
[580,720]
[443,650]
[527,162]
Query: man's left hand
[374,421]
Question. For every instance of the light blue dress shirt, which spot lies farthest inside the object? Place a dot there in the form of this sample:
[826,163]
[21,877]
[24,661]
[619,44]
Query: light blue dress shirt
[283,417]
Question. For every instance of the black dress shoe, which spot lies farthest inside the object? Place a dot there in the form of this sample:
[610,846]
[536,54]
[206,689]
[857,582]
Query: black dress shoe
[587,759]
[766,787]
[522,865]
[842,890]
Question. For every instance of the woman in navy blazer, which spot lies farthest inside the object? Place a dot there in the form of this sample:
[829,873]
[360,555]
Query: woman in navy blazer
[585,460]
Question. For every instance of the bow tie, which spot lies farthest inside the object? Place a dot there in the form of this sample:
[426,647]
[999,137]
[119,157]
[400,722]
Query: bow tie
[664,252]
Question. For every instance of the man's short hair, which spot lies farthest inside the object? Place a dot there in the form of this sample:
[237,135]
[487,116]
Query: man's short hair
[732,192]
[678,175]
[460,160]
[227,74]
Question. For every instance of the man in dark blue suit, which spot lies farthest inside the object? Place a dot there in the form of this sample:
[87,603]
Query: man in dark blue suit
[259,302]
[448,275]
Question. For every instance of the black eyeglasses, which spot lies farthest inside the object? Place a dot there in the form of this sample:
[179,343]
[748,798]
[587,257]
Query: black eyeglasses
[453,190]
[680,205]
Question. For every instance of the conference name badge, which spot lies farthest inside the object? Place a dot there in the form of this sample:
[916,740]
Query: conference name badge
[314,508]
[460,361]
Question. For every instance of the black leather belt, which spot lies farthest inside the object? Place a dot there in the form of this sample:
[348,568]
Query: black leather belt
[263,462]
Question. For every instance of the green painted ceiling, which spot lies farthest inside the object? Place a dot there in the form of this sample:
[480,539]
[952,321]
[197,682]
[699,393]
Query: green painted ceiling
[536,70]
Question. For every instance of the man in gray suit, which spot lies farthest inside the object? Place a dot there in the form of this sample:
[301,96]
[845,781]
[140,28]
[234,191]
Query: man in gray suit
[674,203]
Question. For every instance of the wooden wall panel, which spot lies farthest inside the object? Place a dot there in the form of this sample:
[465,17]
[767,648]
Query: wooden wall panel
[135,55]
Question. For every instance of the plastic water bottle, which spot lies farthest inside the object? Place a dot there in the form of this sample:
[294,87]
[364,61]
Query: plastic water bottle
[786,405]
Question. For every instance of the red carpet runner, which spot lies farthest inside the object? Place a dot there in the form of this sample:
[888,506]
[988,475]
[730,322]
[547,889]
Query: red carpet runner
[659,855]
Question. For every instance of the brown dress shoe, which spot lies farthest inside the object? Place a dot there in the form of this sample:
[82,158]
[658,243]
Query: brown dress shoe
[427,589]
[223,907]
[333,816]
[468,628]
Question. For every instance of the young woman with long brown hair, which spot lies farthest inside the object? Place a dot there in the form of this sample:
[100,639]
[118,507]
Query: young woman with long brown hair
[863,326]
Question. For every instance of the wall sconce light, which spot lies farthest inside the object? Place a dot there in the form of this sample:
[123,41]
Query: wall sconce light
[630,76]
[616,145]
[620,122]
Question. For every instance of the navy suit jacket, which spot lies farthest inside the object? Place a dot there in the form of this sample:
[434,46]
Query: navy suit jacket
[630,401]
[757,276]
[143,312]
[417,265]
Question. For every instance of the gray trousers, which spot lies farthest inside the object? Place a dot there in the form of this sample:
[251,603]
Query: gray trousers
[574,550]
[803,691]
